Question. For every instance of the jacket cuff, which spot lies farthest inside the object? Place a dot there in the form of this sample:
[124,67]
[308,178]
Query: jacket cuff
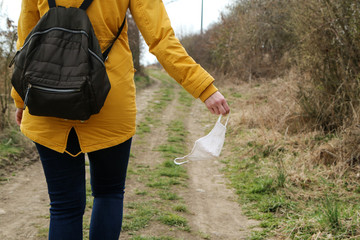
[210,90]
[19,103]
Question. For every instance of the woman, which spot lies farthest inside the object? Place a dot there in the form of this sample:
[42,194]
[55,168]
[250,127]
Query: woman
[106,136]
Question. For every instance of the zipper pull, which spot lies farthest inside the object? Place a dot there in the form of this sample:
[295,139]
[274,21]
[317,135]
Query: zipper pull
[27,95]
[13,60]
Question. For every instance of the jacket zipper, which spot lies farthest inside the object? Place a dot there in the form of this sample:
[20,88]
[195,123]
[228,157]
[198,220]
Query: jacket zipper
[47,89]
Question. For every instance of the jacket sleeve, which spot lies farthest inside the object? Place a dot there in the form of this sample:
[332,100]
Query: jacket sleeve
[29,16]
[154,24]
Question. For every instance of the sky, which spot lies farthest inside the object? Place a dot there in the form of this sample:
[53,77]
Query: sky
[185,16]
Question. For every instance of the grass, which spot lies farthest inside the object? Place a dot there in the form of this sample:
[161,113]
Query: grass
[286,209]
[292,197]
[158,184]
[174,220]
[140,215]
[180,208]
[162,76]
[142,81]
[152,238]
[10,142]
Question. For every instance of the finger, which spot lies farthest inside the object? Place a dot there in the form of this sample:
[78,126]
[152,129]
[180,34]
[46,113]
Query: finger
[217,110]
[211,110]
[222,110]
[225,106]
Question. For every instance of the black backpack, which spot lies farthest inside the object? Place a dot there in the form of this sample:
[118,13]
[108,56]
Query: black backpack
[60,70]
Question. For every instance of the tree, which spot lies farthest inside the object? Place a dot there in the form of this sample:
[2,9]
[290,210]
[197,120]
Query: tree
[134,42]
[7,50]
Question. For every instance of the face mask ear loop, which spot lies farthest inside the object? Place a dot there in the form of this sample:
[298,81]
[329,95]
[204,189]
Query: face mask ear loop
[219,119]
[227,119]
[179,163]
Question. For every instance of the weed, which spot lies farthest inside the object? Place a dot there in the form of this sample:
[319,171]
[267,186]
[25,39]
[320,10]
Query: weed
[89,197]
[262,185]
[152,238]
[236,95]
[7,147]
[172,172]
[331,212]
[4,179]
[139,217]
[162,183]
[172,219]
[281,174]
[42,233]
[143,127]
[170,151]
[180,208]
[168,196]
[205,236]
[185,98]
[142,81]
[272,204]
[141,192]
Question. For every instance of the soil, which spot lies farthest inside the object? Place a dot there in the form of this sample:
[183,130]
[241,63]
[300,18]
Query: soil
[215,213]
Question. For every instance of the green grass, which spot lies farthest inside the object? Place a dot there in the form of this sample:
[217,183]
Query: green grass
[297,210]
[162,76]
[167,195]
[180,208]
[140,215]
[174,220]
[185,98]
[152,238]
[9,143]
[158,184]
[42,233]
[236,95]
[142,81]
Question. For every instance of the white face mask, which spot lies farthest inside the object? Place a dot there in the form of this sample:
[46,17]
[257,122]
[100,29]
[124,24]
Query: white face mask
[208,147]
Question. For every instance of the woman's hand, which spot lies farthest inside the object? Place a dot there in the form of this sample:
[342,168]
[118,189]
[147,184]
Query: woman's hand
[18,115]
[217,104]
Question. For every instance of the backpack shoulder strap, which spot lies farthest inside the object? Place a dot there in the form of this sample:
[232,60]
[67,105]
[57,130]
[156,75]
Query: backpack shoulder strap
[84,5]
[106,52]
[52,3]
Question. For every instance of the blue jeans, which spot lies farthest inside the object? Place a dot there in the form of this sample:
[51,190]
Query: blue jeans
[65,177]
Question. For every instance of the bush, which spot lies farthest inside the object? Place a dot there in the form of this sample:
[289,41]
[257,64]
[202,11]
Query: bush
[250,41]
[266,38]
[330,53]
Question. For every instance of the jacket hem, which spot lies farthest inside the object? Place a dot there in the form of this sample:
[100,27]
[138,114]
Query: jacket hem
[85,149]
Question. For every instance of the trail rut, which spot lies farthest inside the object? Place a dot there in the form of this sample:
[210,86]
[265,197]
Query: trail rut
[214,212]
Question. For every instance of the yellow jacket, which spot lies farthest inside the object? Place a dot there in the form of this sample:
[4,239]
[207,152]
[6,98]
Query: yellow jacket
[116,121]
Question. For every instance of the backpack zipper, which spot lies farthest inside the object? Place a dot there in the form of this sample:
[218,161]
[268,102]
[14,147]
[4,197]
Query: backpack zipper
[55,90]
[47,89]
[27,95]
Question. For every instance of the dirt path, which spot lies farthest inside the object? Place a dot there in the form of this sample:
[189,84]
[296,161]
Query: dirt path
[214,213]
[24,204]
[213,204]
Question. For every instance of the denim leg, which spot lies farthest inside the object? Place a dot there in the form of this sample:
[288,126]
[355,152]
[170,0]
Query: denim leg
[65,177]
[108,172]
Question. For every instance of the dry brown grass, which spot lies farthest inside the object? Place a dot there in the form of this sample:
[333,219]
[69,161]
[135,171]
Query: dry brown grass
[270,109]
[268,137]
